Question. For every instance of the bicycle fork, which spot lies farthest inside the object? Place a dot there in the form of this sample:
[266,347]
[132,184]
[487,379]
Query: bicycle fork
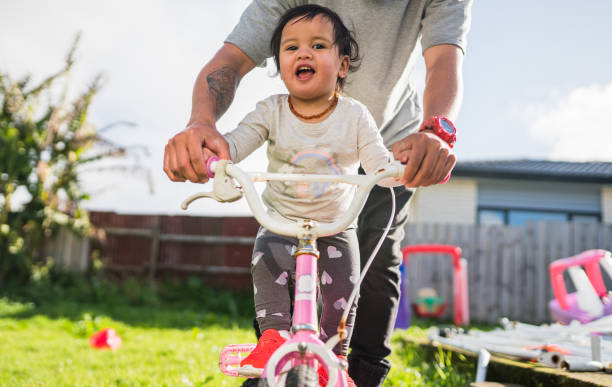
[304,346]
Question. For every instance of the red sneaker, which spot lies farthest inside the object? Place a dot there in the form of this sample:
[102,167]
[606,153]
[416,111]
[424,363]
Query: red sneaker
[323,376]
[254,364]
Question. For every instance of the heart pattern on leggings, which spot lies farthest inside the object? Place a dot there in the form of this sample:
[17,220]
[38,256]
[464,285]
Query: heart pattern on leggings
[261,232]
[333,252]
[326,279]
[256,257]
[261,313]
[282,279]
[290,249]
[340,304]
[323,334]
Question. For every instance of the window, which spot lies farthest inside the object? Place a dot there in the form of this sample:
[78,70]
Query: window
[585,218]
[520,217]
[491,217]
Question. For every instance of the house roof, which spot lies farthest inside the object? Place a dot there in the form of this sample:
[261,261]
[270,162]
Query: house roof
[585,172]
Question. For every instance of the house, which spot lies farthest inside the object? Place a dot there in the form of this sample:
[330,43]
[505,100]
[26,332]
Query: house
[513,192]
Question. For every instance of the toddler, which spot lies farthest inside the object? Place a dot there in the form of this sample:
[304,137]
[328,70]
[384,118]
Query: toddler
[313,129]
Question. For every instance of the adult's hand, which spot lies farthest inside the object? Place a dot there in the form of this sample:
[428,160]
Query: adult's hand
[184,157]
[428,159]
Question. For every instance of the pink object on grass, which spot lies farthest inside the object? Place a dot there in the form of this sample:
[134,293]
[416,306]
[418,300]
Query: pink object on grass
[106,338]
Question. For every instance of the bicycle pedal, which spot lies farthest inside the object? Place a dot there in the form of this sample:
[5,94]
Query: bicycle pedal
[232,355]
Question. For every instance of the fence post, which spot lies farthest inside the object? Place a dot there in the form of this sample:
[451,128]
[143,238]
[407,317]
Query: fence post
[154,250]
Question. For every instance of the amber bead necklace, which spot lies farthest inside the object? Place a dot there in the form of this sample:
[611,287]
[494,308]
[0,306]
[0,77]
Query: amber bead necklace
[312,117]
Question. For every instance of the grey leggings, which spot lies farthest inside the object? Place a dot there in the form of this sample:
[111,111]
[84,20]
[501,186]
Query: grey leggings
[273,268]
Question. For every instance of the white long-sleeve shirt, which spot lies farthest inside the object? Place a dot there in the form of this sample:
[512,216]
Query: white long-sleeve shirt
[347,138]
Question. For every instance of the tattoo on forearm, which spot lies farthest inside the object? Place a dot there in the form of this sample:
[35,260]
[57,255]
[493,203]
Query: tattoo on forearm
[222,85]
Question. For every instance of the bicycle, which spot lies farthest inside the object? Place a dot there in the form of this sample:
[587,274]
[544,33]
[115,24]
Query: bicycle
[296,362]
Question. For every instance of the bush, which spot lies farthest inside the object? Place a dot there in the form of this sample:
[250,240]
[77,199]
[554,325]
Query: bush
[44,140]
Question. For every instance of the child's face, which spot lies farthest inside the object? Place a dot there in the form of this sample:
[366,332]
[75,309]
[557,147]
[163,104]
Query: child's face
[309,61]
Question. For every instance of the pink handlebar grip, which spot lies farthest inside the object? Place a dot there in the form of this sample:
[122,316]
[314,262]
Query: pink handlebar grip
[446,179]
[211,160]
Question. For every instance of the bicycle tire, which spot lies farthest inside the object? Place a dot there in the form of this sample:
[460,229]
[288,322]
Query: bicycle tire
[302,376]
[253,382]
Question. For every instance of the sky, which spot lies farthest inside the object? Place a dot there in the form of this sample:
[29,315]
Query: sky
[537,75]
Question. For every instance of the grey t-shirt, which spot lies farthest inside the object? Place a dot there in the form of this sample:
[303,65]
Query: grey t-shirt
[387,32]
[347,138]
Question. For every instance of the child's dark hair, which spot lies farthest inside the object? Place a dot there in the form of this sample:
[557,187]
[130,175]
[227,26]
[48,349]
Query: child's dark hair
[343,37]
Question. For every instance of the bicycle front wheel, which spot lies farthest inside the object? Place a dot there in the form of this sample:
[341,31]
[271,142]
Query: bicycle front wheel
[302,376]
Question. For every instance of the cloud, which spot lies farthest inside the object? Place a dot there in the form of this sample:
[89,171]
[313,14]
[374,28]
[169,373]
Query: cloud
[150,52]
[576,126]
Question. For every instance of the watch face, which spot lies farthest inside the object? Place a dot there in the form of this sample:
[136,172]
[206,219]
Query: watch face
[447,126]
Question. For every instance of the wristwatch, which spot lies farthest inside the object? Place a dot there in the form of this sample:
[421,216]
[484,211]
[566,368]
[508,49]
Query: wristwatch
[442,127]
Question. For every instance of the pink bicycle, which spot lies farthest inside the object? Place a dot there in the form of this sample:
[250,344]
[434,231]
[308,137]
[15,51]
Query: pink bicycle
[296,362]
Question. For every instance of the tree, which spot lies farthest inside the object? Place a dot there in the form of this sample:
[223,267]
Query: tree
[44,139]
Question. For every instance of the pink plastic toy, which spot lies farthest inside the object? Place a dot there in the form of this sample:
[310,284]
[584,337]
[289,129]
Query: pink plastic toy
[564,307]
[461,313]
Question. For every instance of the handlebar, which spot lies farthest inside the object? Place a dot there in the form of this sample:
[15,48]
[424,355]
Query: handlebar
[225,190]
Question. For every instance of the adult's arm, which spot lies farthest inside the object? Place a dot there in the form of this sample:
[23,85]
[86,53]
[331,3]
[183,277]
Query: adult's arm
[428,158]
[444,29]
[213,93]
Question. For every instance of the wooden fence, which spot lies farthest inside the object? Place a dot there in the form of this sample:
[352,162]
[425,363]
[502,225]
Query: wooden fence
[217,249]
[507,266]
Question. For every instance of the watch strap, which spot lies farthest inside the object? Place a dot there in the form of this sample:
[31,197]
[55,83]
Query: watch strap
[433,124]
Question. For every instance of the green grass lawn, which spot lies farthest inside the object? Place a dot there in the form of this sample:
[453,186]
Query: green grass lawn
[171,337]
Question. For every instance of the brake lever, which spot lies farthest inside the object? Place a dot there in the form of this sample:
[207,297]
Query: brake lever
[224,189]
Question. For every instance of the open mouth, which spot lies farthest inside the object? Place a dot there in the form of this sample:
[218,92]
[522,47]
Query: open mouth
[304,72]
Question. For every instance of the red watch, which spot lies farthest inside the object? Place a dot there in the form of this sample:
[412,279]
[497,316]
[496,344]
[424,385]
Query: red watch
[442,127]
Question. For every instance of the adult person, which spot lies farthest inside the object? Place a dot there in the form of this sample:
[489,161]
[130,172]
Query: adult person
[387,32]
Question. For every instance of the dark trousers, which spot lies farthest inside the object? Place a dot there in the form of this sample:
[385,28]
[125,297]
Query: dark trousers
[380,290]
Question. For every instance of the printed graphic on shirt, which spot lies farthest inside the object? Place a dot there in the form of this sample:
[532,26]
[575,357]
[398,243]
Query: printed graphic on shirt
[313,161]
